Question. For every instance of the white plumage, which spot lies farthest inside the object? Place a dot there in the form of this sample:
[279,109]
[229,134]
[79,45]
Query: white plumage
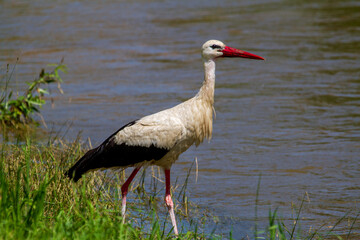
[160,138]
[175,129]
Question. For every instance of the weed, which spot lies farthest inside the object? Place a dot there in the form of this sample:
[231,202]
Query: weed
[18,111]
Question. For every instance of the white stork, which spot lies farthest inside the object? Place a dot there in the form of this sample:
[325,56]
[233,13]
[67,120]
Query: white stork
[160,138]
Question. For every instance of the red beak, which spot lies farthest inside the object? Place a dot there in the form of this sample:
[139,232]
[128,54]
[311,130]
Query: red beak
[233,52]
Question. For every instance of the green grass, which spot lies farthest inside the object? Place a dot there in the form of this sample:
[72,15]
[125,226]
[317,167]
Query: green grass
[37,202]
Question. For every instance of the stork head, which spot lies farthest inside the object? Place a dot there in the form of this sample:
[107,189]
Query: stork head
[214,49]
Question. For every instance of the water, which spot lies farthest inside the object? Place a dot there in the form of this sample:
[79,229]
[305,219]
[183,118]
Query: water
[293,118]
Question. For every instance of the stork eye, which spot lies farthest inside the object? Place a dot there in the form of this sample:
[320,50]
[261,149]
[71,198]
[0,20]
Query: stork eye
[215,46]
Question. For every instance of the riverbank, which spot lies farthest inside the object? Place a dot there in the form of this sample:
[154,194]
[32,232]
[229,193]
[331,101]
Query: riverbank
[37,202]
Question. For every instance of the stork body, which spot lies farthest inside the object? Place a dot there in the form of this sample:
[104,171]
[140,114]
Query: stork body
[160,138]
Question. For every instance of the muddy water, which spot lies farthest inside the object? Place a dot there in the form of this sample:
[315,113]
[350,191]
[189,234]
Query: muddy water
[294,119]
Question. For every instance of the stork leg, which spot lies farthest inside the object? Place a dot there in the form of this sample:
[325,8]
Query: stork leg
[168,200]
[124,191]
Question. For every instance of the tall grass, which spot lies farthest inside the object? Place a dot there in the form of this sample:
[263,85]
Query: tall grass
[38,202]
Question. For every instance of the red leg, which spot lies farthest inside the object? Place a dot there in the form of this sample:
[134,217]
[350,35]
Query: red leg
[168,200]
[124,191]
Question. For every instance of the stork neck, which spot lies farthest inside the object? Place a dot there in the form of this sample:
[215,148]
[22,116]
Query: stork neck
[207,90]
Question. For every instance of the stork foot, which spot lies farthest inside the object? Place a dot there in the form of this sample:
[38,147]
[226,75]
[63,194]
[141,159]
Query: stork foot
[124,191]
[123,208]
[170,206]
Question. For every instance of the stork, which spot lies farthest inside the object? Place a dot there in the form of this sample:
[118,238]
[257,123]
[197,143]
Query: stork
[160,138]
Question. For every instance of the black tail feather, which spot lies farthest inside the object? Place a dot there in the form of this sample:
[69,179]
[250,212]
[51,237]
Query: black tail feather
[81,166]
[88,161]
[71,174]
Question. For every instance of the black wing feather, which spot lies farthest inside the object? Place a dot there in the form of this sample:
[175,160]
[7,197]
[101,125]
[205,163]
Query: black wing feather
[110,154]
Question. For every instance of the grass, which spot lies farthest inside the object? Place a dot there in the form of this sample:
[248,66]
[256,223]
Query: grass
[37,202]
